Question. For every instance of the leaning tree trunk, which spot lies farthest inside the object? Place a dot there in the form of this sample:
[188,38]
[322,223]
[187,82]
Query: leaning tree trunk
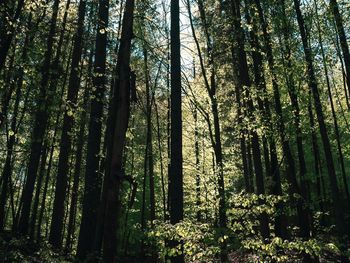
[120,110]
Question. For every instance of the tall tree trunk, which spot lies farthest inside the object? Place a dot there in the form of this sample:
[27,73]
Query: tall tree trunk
[346,93]
[244,84]
[342,37]
[77,173]
[264,107]
[92,188]
[38,190]
[335,121]
[160,149]
[244,144]
[175,171]
[303,216]
[312,83]
[302,211]
[40,122]
[272,166]
[56,64]
[7,170]
[198,173]
[211,88]
[8,88]
[49,167]
[7,30]
[317,157]
[120,110]
[148,161]
[66,140]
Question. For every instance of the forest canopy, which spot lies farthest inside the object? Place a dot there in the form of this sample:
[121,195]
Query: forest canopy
[174,131]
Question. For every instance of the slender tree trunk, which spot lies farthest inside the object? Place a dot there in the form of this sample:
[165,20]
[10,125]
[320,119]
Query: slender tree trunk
[77,173]
[335,121]
[56,64]
[175,171]
[264,106]
[288,72]
[272,165]
[244,85]
[120,110]
[38,190]
[244,144]
[40,122]
[8,88]
[93,178]
[66,140]
[48,171]
[303,216]
[160,149]
[317,157]
[144,189]
[337,47]
[342,37]
[148,161]
[198,173]
[312,82]
[43,199]
[211,88]
[7,31]
[7,170]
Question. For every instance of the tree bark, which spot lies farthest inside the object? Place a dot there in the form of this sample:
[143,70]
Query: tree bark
[92,188]
[175,170]
[40,122]
[120,110]
[334,115]
[211,87]
[38,190]
[244,85]
[312,83]
[66,140]
[7,170]
[77,173]
[8,31]
[342,37]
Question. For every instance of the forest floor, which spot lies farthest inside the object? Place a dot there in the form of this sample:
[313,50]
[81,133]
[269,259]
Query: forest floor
[21,250]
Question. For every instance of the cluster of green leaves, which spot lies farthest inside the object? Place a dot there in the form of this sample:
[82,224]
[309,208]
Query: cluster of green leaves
[247,209]
[199,241]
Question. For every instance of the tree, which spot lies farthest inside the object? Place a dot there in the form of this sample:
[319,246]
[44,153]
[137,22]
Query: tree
[120,111]
[40,122]
[175,170]
[66,140]
[7,30]
[312,82]
[92,182]
[241,103]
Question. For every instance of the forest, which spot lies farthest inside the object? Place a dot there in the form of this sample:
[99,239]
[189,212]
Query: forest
[174,131]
